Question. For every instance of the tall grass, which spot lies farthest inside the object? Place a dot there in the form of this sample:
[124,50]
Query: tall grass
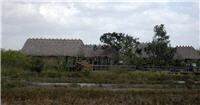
[112,76]
[91,96]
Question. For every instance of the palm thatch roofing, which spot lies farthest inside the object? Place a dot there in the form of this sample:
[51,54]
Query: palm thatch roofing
[53,47]
[63,47]
[186,52]
[182,52]
[97,51]
[76,48]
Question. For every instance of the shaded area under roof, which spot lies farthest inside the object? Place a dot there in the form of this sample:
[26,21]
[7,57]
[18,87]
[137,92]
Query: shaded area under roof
[97,51]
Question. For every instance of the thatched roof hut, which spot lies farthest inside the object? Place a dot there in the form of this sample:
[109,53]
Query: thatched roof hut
[182,52]
[53,47]
[186,52]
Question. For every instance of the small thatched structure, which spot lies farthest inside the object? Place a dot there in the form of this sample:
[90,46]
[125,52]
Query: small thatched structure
[182,52]
[186,53]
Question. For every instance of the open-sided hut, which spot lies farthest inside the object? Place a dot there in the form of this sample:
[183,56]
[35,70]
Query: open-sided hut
[51,49]
[95,54]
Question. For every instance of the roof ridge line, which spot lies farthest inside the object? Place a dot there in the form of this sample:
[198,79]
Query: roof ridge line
[55,39]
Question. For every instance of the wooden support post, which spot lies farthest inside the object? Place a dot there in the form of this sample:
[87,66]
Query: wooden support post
[92,59]
[97,60]
[74,60]
[108,61]
[100,60]
[103,60]
[66,62]
[58,62]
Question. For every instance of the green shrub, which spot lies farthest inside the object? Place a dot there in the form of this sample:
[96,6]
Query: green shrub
[11,84]
[182,63]
[118,70]
[36,64]
[61,64]
[76,74]
[51,73]
[17,72]
[16,59]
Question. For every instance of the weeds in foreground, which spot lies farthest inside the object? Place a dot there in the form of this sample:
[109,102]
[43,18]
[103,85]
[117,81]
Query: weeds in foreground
[112,76]
[88,96]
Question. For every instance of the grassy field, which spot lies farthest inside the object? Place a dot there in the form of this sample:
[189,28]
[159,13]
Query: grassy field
[157,88]
[18,71]
[111,76]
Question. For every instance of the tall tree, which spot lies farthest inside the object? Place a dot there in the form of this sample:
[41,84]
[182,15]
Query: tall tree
[119,43]
[160,47]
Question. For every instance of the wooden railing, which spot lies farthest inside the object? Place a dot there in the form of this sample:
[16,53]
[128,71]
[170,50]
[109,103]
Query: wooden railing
[140,68]
[144,68]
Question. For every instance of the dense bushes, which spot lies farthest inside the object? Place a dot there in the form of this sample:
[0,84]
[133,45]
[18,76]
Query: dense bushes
[132,60]
[36,64]
[17,59]
[18,65]
[11,84]
[14,59]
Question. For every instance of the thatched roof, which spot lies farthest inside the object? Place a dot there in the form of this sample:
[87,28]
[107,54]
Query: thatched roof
[96,51]
[182,52]
[186,52]
[63,47]
[53,47]
[76,48]
[92,51]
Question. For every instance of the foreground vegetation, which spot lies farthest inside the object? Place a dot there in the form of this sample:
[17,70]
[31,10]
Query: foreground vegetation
[76,95]
[157,88]
[18,66]
[112,76]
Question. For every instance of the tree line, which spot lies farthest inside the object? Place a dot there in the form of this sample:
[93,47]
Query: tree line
[159,49]
[119,44]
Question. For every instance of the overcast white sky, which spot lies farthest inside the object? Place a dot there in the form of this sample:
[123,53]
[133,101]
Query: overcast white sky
[86,20]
